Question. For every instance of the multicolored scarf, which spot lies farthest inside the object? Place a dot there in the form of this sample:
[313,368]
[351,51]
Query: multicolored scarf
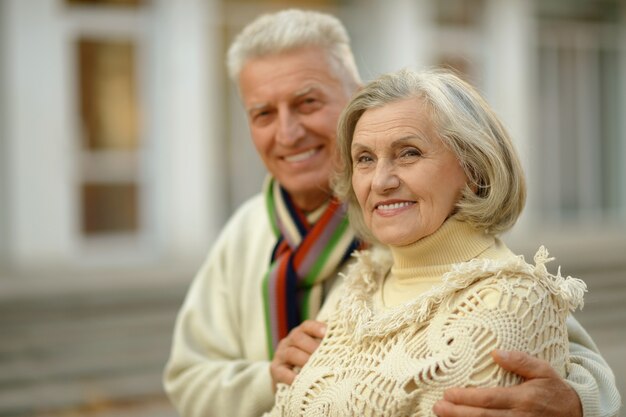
[304,256]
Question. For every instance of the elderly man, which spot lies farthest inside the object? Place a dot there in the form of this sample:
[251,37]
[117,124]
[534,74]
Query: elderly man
[240,329]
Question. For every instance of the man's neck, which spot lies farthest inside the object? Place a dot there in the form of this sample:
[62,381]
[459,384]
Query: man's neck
[308,202]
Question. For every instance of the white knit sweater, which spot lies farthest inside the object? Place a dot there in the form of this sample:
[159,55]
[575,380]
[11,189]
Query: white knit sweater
[403,336]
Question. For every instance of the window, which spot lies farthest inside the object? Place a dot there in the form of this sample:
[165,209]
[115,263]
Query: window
[108,95]
[110,136]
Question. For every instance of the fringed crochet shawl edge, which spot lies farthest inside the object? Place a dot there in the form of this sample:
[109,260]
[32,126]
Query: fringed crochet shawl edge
[366,275]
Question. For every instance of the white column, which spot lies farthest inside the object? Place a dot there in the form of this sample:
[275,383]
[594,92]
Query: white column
[38,145]
[389,35]
[509,78]
[622,71]
[4,172]
[187,126]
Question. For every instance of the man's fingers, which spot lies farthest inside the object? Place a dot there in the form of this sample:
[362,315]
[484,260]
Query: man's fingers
[294,356]
[492,398]
[306,336]
[444,408]
[282,374]
[544,393]
[313,328]
[295,350]
[290,354]
[297,347]
[523,364]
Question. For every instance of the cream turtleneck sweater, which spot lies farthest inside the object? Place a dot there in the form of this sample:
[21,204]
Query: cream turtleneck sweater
[423,318]
[421,265]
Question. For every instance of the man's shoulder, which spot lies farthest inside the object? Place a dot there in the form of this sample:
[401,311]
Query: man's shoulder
[253,209]
[250,219]
[252,204]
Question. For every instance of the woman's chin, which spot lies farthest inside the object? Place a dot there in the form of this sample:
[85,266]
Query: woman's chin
[395,240]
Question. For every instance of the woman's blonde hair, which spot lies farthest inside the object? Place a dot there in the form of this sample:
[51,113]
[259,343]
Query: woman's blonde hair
[496,191]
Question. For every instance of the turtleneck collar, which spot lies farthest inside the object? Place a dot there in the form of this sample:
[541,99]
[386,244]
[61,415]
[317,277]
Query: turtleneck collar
[432,256]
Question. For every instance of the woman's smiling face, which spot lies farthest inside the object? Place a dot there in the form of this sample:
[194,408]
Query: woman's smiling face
[406,180]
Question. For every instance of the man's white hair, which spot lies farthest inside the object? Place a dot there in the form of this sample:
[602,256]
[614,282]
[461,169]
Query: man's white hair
[274,33]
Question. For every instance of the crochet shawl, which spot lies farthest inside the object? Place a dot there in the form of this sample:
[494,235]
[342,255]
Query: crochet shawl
[398,361]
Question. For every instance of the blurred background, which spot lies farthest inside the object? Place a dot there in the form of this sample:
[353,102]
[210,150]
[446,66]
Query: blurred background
[124,149]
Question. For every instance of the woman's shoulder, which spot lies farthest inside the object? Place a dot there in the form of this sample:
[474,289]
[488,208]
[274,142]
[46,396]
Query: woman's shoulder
[514,277]
[367,269]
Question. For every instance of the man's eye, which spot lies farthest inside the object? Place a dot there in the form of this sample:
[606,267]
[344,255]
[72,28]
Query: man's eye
[309,104]
[261,117]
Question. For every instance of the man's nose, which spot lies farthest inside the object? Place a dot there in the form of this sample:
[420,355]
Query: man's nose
[385,177]
[290,129]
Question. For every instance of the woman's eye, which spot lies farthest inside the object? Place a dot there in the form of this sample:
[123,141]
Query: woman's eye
[411,152]
[363,159]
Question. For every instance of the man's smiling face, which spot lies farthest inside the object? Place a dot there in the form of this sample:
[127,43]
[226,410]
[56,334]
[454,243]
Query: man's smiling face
[293,101]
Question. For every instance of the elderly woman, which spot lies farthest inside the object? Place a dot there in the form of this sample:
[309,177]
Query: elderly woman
[431,178]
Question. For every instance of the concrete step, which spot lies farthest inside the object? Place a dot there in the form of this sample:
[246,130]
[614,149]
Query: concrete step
[79,350]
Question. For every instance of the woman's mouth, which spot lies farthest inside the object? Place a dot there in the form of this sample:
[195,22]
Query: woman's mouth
[394,206]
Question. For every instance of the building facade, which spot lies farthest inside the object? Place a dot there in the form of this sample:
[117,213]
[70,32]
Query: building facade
[124,144]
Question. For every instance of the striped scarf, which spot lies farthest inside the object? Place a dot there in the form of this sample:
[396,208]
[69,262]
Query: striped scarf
[304,256]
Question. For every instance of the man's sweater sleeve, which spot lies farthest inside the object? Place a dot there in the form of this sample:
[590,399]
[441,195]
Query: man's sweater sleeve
[590,376]
[209,372]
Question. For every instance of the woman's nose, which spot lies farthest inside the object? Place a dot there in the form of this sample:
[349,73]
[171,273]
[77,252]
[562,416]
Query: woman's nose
[385,177]
[290,130]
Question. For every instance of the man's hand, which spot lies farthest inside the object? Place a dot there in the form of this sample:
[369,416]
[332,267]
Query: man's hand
[294,351]
[543,394]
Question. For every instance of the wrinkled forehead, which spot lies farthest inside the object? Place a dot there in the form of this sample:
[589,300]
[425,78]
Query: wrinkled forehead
[285,75]
[397,115]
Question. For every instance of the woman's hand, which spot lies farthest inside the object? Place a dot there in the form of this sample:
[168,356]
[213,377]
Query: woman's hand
[294,351]
[543,394]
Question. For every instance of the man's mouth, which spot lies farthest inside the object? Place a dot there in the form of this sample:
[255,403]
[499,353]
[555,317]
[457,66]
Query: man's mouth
[301,156]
